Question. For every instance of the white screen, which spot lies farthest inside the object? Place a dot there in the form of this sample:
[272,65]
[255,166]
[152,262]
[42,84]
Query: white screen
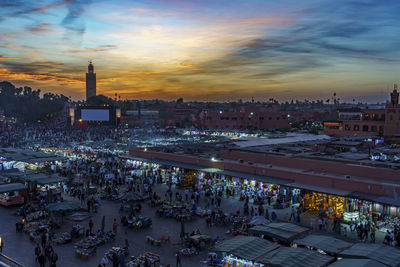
[95,114]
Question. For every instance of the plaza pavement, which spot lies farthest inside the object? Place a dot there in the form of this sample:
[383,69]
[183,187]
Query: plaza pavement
[20,248]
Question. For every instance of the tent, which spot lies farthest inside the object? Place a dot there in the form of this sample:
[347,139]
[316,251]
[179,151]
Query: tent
[246,247]
[286,232]
[78,216]
[5,188]
[131,196]
[378,252]
[50,180]
[294,257]
[357,263]
[62,206]
[328,244]
[259,220]
[41,178]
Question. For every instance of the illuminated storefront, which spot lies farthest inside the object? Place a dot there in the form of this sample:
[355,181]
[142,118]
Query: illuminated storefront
[314,201]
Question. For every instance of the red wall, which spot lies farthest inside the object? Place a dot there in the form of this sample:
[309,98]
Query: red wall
[293,169]
[315,165]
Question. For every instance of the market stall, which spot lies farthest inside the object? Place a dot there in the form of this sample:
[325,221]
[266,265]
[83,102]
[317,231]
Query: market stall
[233,261]
[86,247]
[294,257]
[316,202]
[327,244]
[387,255]
[62,206]
[245,247]
[12,194]
[62,238]
[357,263]
[152,258]
[53,183]
[284,232]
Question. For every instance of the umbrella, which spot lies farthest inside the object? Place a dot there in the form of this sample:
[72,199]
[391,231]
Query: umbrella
[131,196]
[259,220]
[62,206]
[103,222]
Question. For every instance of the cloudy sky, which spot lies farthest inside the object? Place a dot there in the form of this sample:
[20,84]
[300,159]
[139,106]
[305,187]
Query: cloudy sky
[204,50]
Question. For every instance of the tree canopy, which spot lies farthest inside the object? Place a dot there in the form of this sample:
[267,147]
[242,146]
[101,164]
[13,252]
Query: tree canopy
[27,105]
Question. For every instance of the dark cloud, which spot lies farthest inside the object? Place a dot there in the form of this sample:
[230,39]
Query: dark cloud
[37,67]
[73,21]
[11,8]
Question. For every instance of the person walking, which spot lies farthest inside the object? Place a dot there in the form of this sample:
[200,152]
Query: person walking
[292,215]
[372,235]
[91,226]
[37,252]
[352,225]
[104,261]
[42,260]
[186,194]
[43,241]
[320,224]
[178,259]
[115,225]
[312,223]
[88,203]
[53,259]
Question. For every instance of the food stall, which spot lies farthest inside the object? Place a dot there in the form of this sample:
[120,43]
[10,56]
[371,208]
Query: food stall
[12,194]
[53,183]
[243,250]
[62,238]
[86,247]
[152,258]
[232,261]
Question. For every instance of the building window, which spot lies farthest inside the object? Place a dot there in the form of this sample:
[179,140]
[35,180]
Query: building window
[277,118]
[356,128]
[347,127]
[270,118]
[374,128]
[365,128]
[261,118]
[381,129]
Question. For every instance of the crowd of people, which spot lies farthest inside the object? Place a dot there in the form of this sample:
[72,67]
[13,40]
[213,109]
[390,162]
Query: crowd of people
[110,175]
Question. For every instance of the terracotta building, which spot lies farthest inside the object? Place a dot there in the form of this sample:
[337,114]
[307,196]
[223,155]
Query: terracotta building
[357,122]
[244,118]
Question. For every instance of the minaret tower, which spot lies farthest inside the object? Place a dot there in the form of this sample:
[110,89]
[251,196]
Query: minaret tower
[90,81]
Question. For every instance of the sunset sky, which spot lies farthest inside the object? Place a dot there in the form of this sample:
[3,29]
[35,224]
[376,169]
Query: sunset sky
[204,50]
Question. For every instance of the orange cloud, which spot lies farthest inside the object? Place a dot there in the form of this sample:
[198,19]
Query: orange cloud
[94,49]
[3,57]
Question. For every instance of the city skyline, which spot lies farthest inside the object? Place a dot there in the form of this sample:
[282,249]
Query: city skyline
[203,50]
